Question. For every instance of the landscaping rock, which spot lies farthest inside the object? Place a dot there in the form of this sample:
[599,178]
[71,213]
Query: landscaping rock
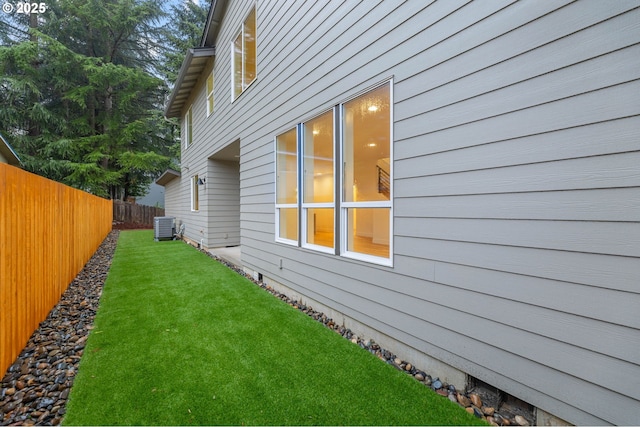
[475,399]
[36,386]
[488,410]
[464,400]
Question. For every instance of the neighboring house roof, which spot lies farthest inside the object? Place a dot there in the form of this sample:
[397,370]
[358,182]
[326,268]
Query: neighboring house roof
[168,176]
[7,152]
[195,61]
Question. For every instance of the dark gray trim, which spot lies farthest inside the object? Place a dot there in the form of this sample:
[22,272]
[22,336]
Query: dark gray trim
[216,12]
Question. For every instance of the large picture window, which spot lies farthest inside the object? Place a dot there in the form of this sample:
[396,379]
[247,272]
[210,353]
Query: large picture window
[366,175]
[244,68]
[287,187]
[318,177]
[350,213]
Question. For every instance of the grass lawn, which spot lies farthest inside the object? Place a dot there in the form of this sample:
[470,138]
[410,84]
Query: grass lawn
[180,339]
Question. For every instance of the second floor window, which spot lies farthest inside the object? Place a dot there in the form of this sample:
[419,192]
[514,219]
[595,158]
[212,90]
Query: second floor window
[210,94]
[243,64]
[188,128]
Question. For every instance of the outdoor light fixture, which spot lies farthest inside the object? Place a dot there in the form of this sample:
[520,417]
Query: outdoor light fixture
[202,181]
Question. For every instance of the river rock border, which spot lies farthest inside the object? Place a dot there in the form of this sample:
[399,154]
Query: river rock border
[494,410]
[35,388]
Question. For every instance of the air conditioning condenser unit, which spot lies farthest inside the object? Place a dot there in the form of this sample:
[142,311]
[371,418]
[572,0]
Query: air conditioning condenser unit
[163,227]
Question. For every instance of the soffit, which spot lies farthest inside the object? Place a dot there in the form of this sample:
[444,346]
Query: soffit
[191,70]
[231,152]
[168,176]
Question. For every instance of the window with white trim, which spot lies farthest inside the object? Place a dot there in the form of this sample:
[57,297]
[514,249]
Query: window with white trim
[318,207]
[195,197]
[366,175]
[244,53]
[188,128]
[350,213]
[210,94]
[287,187]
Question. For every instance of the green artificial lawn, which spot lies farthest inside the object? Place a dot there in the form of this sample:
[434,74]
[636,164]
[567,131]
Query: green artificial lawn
[180,339]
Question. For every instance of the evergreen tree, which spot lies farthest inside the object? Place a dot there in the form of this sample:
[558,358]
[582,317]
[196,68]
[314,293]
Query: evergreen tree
[183,32]
[80,96]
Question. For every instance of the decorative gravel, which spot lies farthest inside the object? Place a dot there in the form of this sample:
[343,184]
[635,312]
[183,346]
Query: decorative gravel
[35,388]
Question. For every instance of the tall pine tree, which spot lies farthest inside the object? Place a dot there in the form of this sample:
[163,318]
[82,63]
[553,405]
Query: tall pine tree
[80,94]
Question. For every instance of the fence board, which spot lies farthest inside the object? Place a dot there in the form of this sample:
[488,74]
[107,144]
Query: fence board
[131,214]
[48,232]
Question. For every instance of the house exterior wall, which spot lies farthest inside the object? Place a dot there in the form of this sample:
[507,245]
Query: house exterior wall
[223,200]
[194,162]
[516,194]
[3,159]
[173,194]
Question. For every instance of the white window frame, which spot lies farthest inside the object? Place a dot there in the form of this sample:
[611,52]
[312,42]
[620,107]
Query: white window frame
[305,206]
[287,205]
[386,204]
[188,128]
[233,65]
[210,99]
[195,196]
[341,229]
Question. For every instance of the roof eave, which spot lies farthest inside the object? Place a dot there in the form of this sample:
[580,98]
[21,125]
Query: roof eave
[185,82]
[168,176]
[213,23]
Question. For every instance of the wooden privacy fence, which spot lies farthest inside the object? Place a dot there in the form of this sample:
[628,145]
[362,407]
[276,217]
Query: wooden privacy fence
[131,214]
[48,232]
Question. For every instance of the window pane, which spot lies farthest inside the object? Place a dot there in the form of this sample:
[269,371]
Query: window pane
[209,84]
[195,202]
[237,66]
[188,122]
[367,146]
[249,30]
[210,94]
[287,168]
[320,227]
[288,223]
[368,231]
[318,159]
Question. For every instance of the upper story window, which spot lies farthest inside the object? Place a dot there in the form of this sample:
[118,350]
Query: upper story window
[210,94]
[243,66]
[188,128]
